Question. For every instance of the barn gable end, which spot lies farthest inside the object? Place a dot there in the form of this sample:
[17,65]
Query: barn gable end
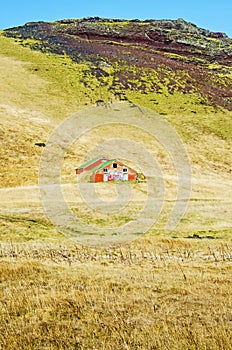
[113,170]
[102,169]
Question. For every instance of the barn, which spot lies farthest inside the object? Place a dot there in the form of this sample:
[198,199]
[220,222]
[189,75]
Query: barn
[101,169]
[112,170]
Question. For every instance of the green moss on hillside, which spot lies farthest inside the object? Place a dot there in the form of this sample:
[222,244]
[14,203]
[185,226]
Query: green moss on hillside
[69,86]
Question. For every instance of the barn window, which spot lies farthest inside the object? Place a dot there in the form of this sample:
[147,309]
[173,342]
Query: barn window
[125,170]
[105,170]
[115,165]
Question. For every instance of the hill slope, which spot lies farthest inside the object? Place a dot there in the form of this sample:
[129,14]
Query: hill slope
[163,290]
[50,70]
[147,56]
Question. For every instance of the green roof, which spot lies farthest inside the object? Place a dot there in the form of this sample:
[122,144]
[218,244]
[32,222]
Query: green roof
[89,162]
[102,165]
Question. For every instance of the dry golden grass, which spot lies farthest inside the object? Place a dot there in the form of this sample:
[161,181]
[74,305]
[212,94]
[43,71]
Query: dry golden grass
[150,294]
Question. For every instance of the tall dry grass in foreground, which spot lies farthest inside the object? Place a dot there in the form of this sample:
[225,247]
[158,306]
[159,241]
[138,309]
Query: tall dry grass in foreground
[150,294]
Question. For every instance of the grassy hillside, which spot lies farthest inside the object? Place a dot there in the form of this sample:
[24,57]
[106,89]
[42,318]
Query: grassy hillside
[165,290]
[41,89]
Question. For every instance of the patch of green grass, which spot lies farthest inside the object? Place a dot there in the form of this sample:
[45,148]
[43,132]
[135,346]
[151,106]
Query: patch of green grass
[120,24]
[68,86]
[186,113]
[104,220]
[19,228]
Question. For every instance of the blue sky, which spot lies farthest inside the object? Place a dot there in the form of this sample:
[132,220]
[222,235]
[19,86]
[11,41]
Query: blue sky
[209,14]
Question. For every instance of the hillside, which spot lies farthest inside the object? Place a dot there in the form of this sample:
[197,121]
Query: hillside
[164,289]
[183,73]
[161,57]
[172,67]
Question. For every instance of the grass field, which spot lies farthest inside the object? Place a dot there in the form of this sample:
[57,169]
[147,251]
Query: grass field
[151,294]
[164,290]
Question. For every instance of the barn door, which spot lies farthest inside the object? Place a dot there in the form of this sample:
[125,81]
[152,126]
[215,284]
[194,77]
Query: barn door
[125,176]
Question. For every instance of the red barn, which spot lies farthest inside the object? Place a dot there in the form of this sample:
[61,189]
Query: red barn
[90,164]
[112,170]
